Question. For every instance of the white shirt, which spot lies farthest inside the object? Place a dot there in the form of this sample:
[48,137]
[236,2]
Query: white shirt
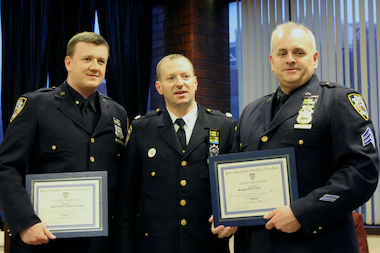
[189,119]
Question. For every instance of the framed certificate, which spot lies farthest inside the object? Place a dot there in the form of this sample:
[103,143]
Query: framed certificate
[245,186]
[73,204]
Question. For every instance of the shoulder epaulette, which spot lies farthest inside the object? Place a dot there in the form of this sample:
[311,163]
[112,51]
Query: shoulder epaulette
[216,112]
[149,114]
[45,89]
[329,84]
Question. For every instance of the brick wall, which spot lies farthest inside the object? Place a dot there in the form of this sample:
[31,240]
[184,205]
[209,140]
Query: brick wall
[199,30]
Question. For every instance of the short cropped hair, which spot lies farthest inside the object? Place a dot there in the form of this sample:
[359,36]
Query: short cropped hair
[169,58]
[291,26]
[85,37]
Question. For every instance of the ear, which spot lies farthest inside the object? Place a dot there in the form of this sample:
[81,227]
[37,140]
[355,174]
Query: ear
[68,63]
[158,87]
[195,83]
[315,59]
[271,62]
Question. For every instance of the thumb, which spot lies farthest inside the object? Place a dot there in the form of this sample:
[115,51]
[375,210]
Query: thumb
[211,219]
[49,234]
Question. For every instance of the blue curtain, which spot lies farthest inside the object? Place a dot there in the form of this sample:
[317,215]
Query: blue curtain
[127,26]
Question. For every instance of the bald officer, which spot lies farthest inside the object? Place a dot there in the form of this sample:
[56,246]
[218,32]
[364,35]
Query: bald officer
[335,148]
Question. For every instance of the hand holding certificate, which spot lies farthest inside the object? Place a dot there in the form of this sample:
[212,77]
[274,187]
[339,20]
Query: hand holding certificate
[246,186]
[71,204]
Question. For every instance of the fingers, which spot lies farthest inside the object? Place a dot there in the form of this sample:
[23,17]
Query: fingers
[36,234]
[49,234]
[223,231]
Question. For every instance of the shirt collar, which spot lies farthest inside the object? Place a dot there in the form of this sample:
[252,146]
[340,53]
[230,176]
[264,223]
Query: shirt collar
[189,118]
[79,100]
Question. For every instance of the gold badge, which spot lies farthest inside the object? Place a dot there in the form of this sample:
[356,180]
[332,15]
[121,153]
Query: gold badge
[20,104]
[305,114]
[357,102]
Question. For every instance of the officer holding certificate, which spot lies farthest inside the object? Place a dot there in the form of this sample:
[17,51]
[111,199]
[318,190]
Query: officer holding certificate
[166,200]
[335,150]
[71,128]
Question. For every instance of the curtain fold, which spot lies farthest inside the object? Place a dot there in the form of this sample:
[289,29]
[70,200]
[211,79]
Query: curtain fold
[127,26]
[66,18]
[24,44]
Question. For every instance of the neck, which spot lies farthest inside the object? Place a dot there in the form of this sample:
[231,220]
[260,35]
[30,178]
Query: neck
[180,111]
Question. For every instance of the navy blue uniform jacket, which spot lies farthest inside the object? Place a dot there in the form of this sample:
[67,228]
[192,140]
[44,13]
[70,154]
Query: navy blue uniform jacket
[330,159]
[51,118]
[166,195]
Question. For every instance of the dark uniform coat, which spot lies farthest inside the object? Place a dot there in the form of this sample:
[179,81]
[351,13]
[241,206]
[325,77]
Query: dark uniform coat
[171,189]
[50,135]
[337,167]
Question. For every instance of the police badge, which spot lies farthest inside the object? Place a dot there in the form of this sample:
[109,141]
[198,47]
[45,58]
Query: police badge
[119,136]
[305,114]
[357,102]
[20,104]
[213,135]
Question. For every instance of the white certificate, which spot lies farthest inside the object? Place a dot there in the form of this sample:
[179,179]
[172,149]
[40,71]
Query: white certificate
[246,186]
[71,204]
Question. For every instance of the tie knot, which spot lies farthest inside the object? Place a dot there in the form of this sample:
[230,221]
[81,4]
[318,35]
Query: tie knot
[180,122]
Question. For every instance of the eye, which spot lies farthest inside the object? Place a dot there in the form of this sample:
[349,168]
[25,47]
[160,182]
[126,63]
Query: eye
[102,62]
[86,58]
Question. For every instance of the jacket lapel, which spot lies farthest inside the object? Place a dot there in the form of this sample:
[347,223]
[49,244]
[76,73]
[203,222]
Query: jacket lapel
[66,105]
[167,133]
[105,115]
[294,103]
[200,133]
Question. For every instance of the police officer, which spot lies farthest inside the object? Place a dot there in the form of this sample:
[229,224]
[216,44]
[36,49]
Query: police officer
[335,149]
[166,195]
[70,128]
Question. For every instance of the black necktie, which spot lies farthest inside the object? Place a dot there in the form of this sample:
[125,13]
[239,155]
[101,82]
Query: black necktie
[88,114]
[181,133]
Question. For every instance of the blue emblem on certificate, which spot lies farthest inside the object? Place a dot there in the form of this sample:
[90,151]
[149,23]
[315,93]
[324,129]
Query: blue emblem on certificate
[245,186]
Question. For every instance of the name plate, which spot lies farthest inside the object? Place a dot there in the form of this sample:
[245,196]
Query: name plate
[245,186]
[73,204]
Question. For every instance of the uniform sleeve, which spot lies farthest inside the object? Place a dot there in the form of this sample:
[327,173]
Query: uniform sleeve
[354,172]
[14,155]
[129,194]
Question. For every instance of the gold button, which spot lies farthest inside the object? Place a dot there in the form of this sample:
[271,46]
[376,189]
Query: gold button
[300,142]
[320,228]
[77,102]
[208,161]
[10,235]
[92,140]
[182,202]
[153,173]
[92,159]
[118,154]
[54,147]
[315,231]
[264,138]
[235,128]
[62,93]
[146,234]
[209,110]
[183,222]
[8,230]
[183,182]
[183,163]
[158,109]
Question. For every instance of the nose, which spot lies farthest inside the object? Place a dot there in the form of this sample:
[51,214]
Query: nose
[179,82]
[290,59]
[94,66]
